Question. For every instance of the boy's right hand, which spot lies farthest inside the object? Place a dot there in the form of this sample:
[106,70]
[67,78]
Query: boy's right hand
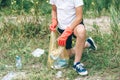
[53,25]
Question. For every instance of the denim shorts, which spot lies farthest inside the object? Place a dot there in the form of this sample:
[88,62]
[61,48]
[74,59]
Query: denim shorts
[69,40]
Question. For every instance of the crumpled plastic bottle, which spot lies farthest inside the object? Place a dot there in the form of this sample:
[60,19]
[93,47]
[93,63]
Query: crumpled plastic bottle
[18,62]
[9,76]
[59,74]
[60,63]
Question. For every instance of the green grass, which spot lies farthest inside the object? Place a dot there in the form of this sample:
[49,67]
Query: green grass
[25,37]
[22,41]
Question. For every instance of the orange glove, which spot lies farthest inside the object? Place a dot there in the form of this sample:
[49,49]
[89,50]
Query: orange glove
[53,25]
[64,36]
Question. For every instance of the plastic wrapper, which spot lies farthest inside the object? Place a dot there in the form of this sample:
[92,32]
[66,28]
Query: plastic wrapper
[58,56]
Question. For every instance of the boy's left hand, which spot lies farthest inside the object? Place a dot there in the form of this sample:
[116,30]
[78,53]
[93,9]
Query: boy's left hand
[62,39]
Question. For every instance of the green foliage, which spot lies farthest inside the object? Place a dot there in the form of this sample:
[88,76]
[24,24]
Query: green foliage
[43,6]
[115,26]
[97,6]
[23,38]
[26,6]
[5,3]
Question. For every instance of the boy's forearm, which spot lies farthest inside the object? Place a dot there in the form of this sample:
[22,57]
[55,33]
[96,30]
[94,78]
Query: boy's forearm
[54,12]
[75,23]
[78,18]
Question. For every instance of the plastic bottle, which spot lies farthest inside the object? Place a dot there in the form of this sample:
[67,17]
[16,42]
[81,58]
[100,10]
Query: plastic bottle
[9,76]
[59,74]
[18,62]
[60,63]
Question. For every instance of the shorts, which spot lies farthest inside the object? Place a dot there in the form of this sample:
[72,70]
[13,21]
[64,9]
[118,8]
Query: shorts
[69,40]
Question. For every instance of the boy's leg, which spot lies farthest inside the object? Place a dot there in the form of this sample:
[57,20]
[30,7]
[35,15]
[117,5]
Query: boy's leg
[80,34]
[89,43]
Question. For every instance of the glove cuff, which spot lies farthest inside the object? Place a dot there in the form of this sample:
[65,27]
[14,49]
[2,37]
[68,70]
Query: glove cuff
[69,30]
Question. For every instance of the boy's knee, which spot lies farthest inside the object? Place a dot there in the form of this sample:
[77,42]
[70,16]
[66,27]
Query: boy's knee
[80,31]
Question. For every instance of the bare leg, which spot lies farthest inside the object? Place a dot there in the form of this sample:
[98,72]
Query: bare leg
[80,33]
[72,51]
[86,45]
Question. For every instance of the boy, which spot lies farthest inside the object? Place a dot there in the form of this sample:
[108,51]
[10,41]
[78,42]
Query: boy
[67,16]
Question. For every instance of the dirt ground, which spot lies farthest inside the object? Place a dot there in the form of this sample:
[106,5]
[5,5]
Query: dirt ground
[103,22]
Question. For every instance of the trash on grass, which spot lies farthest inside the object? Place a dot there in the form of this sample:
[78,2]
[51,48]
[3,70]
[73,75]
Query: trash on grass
[56,52]
[38,52]
[60,63]
[9,76]
[14,76]
[59,74]
[18,62]
[78,79]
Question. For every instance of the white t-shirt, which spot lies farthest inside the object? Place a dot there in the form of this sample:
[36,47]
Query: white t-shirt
[66,11]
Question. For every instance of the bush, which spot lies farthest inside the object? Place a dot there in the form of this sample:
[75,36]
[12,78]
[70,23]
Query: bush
[43,6]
